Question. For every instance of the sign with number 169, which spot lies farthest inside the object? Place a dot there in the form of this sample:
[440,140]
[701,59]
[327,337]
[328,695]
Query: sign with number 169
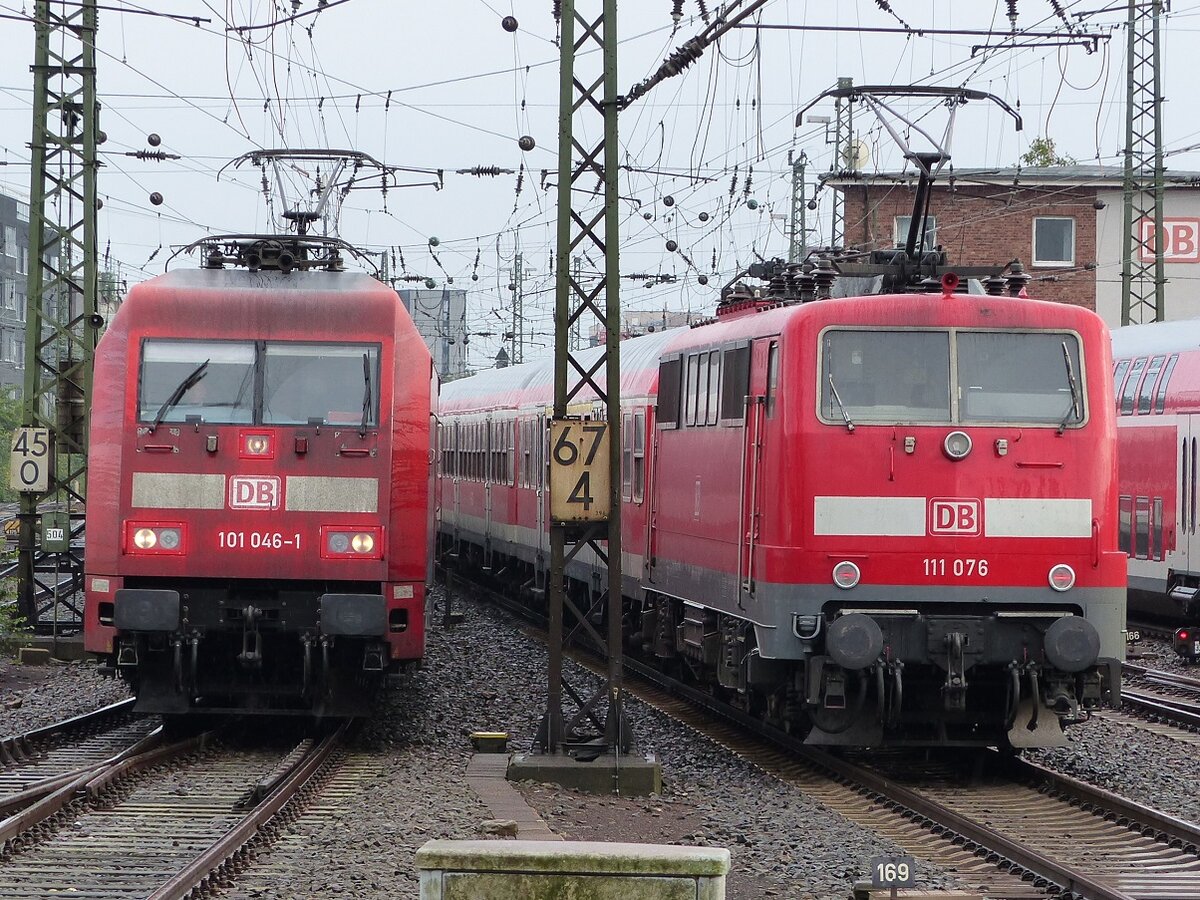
[579,481]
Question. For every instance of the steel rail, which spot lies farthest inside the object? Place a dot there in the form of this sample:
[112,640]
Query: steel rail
[14,747]
[934,816]
[286,789]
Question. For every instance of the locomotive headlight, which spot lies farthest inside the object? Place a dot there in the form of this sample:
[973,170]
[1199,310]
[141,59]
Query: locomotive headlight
[957,445]
[1062,577]
[168,538]
[339,542]
[145,538]
[362,543]
[846,574]
[342,542]
[258,445]
[154,538]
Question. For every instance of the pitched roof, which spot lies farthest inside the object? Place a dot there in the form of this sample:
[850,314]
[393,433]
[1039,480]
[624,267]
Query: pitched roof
[1079,173]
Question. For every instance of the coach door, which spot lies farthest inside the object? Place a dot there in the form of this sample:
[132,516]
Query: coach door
[1187,543]
[759,407]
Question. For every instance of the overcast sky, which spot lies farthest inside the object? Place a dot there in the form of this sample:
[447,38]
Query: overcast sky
[463,90]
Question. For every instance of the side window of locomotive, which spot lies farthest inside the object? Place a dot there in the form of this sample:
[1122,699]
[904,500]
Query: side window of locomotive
[1160,400]
[201,381]
[735,384]
[772,377]
[326,384]
[1146,394]
[885,376]
[668,393]
[1020,377]
[714,387]
[1131,386]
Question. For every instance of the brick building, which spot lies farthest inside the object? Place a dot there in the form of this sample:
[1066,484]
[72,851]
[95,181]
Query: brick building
[1063,223]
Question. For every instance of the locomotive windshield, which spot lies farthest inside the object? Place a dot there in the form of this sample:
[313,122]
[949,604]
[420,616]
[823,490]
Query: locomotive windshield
[895,377]
[261,383]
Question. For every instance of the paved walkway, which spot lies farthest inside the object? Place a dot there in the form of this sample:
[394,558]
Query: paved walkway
[485,775]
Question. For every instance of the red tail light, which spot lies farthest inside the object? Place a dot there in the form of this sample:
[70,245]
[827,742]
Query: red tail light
[1182,634]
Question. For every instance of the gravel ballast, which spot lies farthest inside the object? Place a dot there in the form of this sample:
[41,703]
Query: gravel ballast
[403,781]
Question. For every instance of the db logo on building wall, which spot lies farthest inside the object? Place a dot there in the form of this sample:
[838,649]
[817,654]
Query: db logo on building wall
[951,515]
[254,492]
[1181,240]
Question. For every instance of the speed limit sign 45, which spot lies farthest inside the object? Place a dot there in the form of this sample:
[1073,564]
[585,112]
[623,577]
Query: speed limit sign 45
[29,467]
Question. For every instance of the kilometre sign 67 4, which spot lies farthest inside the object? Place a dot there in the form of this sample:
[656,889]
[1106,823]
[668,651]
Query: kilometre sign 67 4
[29,467]
[579,479]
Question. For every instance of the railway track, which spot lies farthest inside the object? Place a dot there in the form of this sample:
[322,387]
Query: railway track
[159,823]
[1164,702]
[1009,829]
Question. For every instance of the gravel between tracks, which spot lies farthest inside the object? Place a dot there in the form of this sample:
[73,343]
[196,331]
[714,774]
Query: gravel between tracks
[485,674]
[33,696]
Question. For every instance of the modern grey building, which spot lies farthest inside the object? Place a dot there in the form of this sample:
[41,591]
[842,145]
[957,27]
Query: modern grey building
[14,275]
[441,317]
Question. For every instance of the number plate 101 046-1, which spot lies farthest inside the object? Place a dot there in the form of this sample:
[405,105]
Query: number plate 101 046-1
[579,473]
[893,871]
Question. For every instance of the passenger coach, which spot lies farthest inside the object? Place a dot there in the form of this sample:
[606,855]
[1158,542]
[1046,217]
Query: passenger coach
[259,494]
[882,519]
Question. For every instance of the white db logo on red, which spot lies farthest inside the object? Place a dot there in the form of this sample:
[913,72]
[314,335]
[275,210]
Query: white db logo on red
[254,492]
[954,516]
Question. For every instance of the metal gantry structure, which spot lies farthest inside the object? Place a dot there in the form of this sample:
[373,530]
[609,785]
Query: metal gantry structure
[588,105]
[1143,276]
[843,142]
[62,320]
[797,224]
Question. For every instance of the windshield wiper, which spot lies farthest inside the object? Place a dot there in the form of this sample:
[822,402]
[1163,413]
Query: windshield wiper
[1075,409]
[176,395]
[362,428]
[838,397]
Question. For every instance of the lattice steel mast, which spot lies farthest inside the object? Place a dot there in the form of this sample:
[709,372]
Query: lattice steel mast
[587,100]
[1143,276]
[797,225]
[61,313]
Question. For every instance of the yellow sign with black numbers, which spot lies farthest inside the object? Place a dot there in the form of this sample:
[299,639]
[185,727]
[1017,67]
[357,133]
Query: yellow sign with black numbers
[579,470]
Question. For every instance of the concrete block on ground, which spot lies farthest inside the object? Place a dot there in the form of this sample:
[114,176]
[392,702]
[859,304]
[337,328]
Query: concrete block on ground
[631,776]
[582,870]
[33,656]
[69,648]
[864,891]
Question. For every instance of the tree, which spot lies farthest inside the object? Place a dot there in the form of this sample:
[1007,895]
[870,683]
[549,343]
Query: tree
[11,412]
[1042,152]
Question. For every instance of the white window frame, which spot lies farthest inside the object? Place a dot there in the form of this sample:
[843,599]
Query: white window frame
[1053,263]
[901,234]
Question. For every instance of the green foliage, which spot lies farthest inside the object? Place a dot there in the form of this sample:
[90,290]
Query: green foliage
[1042,152]
[11,412]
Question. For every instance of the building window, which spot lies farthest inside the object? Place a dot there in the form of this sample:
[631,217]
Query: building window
[10,241]
[23,261]
[1054,241]
[901,233]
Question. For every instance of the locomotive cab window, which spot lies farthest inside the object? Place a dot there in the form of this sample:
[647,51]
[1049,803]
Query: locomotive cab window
[900,377]
[207,381]
[1019,377]
[335,384]
[885,376]
[243,382]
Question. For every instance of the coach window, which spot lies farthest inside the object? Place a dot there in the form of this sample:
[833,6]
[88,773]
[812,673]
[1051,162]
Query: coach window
[701,391]
[1146,394]
[1157,514]
[1125,519]
[772,376]
[1119,371]
[1131,386]
[627,457]
[323,384]
[510,436]
[1054,241]
[639,456]
[1160,400]
[1141,533]
[208,381]
[690,392]
[1020,377]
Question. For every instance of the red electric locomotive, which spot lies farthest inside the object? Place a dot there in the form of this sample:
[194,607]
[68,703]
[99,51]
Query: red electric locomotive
[259,496]
[876,520]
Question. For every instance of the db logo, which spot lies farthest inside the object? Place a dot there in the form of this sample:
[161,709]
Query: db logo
[254,492]
[954,516]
